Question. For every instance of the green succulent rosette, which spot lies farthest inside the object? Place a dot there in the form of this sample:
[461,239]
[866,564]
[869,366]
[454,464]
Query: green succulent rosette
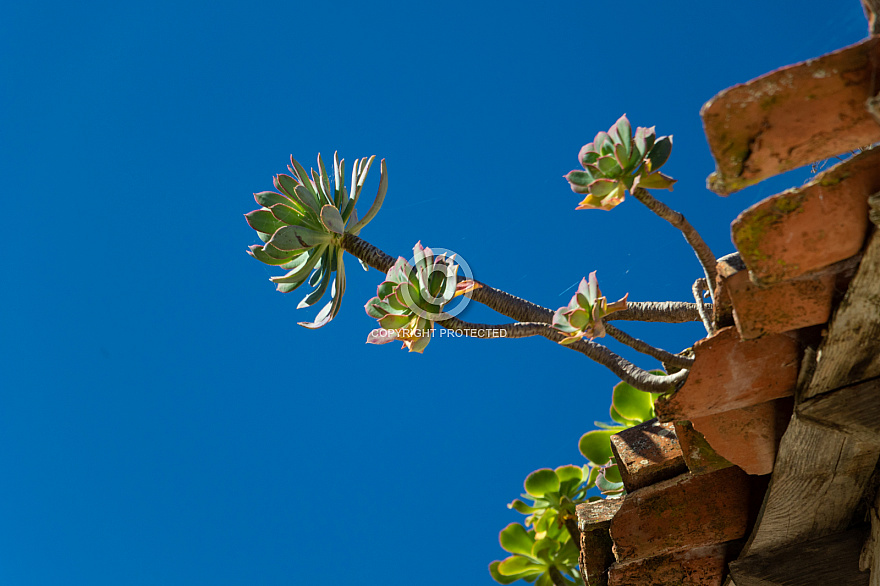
[617,161]
[302,226]
[582,317]
[536,559]
[412,297]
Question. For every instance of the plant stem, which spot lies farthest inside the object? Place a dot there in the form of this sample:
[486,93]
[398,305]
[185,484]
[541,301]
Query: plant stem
[671,312]
[702,250]
[645,348]
[626,370]
[556,577]
[571,525]
[534,320]
[698,288]
[525,311]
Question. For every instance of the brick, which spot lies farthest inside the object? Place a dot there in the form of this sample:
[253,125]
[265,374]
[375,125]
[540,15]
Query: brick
[792,117]
[647,453]
[684,512]
[780,307]
[748,437]
[698,455]
[703,566]
[597,514]
[730,373]
[802,230]
[594,521]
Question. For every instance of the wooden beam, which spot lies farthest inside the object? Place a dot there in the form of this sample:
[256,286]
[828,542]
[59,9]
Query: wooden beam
[854,410]
[818,480]
[870,559]
[850,352]
[833,559]
[821,472]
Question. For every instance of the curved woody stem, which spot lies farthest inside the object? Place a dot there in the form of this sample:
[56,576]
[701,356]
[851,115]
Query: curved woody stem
[645,348]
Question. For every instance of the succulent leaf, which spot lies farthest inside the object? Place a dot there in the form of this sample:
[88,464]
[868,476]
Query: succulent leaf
[580,180]
[297,238]
[595,446]
[263,221]
[332,219]
[269,198]
[542,481]
[324,182]
[257,252]
[624,131]
[516,539]
[377,203]
[588,154]
[660,152]
[516,565]
[287,214]
[631,403]
[608,166]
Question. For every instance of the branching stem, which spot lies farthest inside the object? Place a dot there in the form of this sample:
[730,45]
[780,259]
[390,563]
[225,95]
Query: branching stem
[645,348]
[626,370]
[525,311]
[534,320]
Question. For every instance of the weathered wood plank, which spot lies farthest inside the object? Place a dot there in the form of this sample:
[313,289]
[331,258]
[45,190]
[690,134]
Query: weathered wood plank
[870,559]
[819,477]
[833,559]
[850,352]
[854,410]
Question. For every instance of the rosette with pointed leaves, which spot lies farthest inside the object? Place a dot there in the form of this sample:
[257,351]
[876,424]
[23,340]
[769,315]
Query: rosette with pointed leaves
[617,161]
[536,560]
[582,317]
[412,297]
[302,228]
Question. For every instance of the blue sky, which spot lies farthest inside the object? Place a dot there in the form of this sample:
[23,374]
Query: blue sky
[163,418]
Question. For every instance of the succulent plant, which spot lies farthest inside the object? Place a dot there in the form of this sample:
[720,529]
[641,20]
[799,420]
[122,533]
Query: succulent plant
[536,560]
[411,298]
[582,317]
[554,494]
[617,161]
[302,228]
[543,546]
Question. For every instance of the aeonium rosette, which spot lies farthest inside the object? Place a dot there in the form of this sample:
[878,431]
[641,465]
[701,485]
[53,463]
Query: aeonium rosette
[582,317]
[302,226]
[617,161]
[412,297]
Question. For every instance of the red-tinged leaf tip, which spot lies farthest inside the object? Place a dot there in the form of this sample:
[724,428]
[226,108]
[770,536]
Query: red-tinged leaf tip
[466,286]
